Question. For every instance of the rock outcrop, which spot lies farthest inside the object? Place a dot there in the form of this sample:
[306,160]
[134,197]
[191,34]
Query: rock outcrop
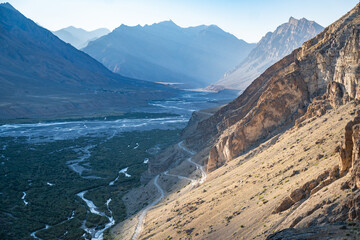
[350,153]
[325,65]
[355,172]
[333,98]
[346,150]
[323,232]
[349,166]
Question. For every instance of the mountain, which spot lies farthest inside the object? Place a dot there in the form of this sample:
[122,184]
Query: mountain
[79,37]
[165,52]
[271,48]
[282,159]
[284,91]
[41,76]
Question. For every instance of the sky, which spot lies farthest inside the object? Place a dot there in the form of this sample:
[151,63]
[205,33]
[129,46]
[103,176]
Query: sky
[246,19]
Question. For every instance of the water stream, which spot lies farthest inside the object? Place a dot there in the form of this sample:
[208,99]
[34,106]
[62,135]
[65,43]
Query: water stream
[23,198]
[96,234]
[183,106]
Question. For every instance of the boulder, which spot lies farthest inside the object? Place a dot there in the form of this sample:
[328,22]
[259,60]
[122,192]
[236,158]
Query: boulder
[284,205]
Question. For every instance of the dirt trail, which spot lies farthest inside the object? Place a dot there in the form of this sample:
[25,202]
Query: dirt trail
[141,219]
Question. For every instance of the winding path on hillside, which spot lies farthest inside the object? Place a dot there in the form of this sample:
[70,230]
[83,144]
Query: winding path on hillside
[142,216]
[141,219]
[198,166]
[193,181]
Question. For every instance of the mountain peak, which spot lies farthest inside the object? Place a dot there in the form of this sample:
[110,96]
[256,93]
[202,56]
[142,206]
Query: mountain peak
[293,21]
[270,49]
[7,5]
[214,27]
[71,28]
[168,23]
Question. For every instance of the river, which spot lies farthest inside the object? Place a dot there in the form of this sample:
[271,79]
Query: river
[182,106]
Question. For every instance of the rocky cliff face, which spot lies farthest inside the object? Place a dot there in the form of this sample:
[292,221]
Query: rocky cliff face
[345,176]
[298,168]
[284,91]
[271,48]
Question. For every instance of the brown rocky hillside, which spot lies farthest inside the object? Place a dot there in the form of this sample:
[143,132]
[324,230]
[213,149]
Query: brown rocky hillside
[284,91]
[283,159]
[291,180]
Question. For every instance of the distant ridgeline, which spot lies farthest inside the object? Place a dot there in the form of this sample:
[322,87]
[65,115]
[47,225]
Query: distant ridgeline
[79,37]
[164,52]
[41,76]
[271,48]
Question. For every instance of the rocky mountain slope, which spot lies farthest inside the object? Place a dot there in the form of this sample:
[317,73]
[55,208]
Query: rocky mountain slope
[165,52]
[284,91]
[41,76]
[79,37]
[224,206]
[271,48]
[284,154]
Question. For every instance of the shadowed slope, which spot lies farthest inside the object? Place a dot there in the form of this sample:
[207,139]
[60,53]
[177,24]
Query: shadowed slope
[165,52]
[42,76]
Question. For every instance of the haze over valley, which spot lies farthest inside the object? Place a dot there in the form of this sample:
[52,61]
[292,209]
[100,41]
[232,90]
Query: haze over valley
[165,52]
[79,37]
[119,123]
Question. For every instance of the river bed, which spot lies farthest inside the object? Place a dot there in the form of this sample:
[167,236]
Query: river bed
[179,110]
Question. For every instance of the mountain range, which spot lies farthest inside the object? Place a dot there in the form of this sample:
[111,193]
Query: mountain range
[42,76]
[79,37]
[282,159]
[271,48]
[165,52]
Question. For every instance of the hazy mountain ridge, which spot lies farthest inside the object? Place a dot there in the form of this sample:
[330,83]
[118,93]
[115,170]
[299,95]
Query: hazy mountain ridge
[271,48]
[165,52]
[79,37]
[42,76]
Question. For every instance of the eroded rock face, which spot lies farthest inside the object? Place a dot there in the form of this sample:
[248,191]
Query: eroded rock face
[355,161]
[349,163]
[308,189]
[335,94]
[346,149]
[349,150]
[333,98]
[326,65]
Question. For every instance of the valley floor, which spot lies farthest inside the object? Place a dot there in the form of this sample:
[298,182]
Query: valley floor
[71,188]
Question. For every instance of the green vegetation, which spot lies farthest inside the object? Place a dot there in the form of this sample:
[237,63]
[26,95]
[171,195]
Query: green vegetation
[40,170]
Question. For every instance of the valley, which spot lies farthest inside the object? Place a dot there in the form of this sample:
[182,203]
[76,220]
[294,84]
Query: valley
[154,130]
[72,164]
[282,155]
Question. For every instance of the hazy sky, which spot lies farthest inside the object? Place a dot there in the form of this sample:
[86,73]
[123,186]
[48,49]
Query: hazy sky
[246,19]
